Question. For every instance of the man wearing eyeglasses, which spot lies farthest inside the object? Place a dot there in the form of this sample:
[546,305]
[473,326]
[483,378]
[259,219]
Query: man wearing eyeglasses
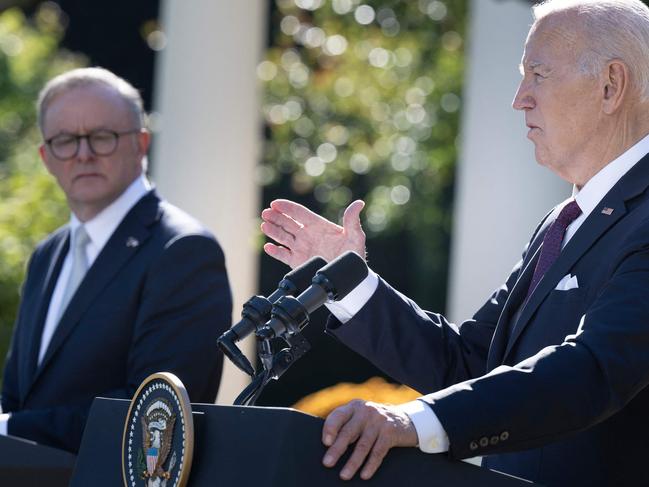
[129,287]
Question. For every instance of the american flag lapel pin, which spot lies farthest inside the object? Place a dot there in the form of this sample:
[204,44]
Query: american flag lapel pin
[132,242]
[607,211]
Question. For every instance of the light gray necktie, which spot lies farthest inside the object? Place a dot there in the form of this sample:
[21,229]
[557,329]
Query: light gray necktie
[78,245]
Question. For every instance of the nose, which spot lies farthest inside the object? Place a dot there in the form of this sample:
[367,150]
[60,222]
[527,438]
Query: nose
[84,153]
[523,99]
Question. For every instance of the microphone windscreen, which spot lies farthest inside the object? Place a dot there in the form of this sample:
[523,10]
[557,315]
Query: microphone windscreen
[301,276]
[345,273]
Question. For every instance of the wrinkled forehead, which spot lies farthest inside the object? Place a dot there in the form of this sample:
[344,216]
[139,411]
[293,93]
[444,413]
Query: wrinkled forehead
[94,104]
[554,38]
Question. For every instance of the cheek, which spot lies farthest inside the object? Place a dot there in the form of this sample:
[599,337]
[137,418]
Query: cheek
[121,171]
[578,127]
[581,111]
[52,165]
[566,124]
[61,173]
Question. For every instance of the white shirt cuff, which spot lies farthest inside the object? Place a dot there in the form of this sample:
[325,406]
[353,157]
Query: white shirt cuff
[430,432]
[345,309]
[4,419]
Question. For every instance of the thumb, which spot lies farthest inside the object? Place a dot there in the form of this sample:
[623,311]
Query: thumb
[352,219]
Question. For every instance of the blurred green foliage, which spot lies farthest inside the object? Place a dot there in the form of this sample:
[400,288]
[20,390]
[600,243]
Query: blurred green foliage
[31,205]
[362,100]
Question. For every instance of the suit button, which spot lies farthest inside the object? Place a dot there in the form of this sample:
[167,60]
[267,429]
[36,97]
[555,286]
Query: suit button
[504,436]
[494,440]
[484,441]
[473,446]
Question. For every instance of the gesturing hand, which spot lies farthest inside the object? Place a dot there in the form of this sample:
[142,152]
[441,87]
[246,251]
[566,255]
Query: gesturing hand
[375,427]
[302,234]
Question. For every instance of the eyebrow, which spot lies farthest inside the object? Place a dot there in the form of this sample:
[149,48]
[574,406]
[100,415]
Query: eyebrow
[531,66]
[97,128]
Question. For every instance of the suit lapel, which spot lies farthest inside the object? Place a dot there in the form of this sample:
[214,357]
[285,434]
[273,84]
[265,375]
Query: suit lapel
[516,297]
[597,223]
[517,294]
[125,242]
[60,249]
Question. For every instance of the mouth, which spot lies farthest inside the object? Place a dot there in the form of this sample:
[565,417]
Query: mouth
[532,129]
[80,177]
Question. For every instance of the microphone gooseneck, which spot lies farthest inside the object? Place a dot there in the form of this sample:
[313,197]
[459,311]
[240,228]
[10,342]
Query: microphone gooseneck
[257,310]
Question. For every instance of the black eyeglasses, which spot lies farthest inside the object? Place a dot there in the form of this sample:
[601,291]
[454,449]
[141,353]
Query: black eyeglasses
[101,143]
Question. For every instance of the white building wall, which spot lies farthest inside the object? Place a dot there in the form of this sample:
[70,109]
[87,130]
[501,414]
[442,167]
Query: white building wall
[501,192]
[209,136]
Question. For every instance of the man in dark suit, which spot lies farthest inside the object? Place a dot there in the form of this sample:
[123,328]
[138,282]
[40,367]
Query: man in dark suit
[548,379]
[130,287]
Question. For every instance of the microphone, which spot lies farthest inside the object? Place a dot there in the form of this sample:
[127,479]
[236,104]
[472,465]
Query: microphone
[333,282]
[298,279]
[257,310]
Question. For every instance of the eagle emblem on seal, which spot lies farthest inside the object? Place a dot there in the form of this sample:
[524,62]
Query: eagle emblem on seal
[158,438]
[157,435]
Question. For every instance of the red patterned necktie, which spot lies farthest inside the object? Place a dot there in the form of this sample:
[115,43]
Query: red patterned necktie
[552,242]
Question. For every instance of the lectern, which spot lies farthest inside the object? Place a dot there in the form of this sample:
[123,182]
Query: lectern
[24,463]
[255,446]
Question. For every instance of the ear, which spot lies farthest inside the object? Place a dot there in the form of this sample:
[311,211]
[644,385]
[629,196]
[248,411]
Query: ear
[616,85]
[143,141]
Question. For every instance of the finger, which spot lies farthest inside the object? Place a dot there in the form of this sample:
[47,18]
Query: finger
[278,234]
[277,252]
[363,447]
[334,422]
[352,227]
[299,213]
[378,453]
[348,434]
[281,220]
[343,430]
[351,217]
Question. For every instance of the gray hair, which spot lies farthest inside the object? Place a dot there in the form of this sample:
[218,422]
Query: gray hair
[616,29]
[90,77]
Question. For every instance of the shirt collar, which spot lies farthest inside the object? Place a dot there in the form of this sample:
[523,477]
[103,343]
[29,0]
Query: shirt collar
[101,227]
[596,188]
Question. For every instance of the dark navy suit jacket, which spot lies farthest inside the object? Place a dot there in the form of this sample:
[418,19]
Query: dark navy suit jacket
[157,305]
[559,395]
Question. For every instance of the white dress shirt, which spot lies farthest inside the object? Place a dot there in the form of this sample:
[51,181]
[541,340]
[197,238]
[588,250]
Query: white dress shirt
[430,432]
[99,229]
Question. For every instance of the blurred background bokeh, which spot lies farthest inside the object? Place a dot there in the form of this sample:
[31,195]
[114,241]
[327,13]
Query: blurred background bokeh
[354,99]
[363,101]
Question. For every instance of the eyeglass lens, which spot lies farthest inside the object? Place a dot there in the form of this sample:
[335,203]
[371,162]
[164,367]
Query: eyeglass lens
[101,143]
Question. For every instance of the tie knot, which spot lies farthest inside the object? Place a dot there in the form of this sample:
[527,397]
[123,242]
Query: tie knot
[81,238]
[569,213]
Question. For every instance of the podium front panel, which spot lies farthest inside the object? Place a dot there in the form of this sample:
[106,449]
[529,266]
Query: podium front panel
[246,446]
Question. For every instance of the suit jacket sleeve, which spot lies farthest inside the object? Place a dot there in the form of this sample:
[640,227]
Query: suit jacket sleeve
[10,395]
[419,348]
[185,304]
[564,388]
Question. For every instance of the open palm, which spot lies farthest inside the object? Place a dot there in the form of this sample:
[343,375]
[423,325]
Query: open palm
[301,234]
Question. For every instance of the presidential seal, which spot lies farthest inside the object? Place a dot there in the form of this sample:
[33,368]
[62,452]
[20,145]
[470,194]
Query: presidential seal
[158,440]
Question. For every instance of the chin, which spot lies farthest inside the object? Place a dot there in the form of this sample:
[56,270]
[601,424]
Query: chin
[544,158]
[541,158]
[91,196]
